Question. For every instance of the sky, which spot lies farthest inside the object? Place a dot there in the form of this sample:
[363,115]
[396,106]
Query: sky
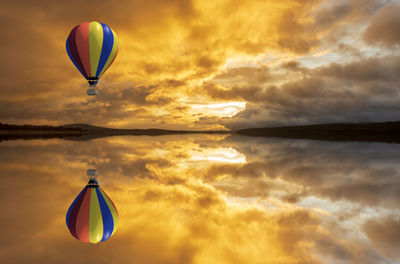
[191,64]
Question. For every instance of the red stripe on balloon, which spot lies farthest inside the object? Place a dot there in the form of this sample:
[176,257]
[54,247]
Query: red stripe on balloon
[74,51]
[74,213]
[82,44]
[82,219]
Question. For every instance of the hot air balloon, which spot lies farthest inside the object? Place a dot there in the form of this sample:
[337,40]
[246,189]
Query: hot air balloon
[92,216]
[92,48]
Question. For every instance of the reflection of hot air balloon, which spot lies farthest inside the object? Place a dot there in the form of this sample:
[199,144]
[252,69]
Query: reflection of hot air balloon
[92,217]
[92,47]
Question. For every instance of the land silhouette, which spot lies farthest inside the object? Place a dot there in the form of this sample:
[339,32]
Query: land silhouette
[388,132]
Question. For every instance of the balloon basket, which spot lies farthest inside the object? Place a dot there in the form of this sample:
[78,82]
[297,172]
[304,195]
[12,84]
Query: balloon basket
[92,173]
[92,91]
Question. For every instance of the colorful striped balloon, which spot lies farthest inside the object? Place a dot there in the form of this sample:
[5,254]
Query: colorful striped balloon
[92,48]
[92,217]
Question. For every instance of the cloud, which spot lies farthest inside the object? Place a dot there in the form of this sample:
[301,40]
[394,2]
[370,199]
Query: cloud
[384,234]
[298,200]
[383,27]
[359,91]
[160,221]
[171,47]
[178,54]
[296,169]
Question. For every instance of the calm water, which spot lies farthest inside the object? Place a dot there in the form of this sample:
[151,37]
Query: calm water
[205,199]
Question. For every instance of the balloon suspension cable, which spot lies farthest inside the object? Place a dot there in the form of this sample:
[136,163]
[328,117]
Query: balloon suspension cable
[92,173]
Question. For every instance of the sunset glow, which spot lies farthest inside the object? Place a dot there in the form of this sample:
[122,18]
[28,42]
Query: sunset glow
[206,64]
[219,110]
[221,131]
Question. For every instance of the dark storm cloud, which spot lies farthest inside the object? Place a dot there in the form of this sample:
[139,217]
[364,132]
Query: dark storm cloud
[345,11]
[364,90]
[384,26]
[333,14]
[109,105]
[385,69]
[384,233]
[359,91]
[291,65]
[346,252]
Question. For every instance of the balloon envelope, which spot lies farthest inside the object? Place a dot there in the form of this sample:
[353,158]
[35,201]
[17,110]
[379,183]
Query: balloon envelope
[92,48]
[92,217]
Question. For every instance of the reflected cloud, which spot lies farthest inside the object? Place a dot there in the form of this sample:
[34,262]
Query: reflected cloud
[205,199]
[223,155]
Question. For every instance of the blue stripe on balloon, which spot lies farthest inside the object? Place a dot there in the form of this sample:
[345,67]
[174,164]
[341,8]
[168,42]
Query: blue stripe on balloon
[72,205]
[72,58]
[108,42]
[108,222]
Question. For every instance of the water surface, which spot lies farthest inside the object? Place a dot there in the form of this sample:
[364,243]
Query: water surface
[205,199]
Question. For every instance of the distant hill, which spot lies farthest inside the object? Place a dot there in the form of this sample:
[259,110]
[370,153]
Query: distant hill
[86,127]
[8,127]
[81,131]
[382,132]
[149,131]
[10,132]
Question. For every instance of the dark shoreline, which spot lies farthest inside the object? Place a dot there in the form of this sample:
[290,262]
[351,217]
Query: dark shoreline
[387,132]
[83,132]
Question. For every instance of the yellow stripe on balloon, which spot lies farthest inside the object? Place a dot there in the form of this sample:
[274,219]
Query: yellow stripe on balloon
[113,53]
[95,45]
[112,210]
[95,219]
